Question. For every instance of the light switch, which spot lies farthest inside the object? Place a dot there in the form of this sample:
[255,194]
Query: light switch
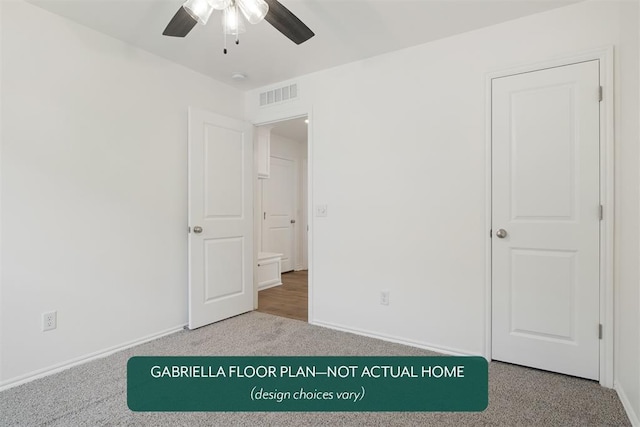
[321,210]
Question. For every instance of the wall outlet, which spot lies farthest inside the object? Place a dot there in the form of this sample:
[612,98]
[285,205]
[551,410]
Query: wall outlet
[384,297]
[49,320]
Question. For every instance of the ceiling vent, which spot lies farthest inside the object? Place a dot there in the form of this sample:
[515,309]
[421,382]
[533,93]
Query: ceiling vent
[279,95]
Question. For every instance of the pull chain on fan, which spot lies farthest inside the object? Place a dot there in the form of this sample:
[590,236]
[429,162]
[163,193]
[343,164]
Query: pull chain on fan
[232,24]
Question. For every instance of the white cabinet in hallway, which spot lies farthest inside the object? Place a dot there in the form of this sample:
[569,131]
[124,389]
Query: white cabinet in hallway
[269,270]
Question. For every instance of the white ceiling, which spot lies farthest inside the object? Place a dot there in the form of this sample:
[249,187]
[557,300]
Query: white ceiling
[346,31]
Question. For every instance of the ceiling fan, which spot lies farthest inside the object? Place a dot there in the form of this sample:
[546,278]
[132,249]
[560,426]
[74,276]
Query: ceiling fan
[193,12]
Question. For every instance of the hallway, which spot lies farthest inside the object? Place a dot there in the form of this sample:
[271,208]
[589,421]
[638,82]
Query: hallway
[287,300]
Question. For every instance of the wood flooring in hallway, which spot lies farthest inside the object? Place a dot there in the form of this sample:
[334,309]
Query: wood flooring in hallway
[289,299]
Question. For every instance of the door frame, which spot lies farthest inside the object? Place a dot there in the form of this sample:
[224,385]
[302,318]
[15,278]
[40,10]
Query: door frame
[606,60]
[294,113]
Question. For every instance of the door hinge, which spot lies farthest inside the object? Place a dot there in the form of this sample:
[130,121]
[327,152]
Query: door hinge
[188,229]
[600,331]
[601,212]
[600,94]
[490,234]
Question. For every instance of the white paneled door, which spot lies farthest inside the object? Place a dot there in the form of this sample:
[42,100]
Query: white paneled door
[220,218]
[545,219]
[278,203]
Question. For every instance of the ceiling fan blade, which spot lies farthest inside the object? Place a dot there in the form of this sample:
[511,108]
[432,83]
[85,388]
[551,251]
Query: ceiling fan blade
[180,24]
[287,23]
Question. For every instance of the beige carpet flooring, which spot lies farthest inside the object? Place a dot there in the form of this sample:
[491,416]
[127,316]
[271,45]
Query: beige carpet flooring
[94,394]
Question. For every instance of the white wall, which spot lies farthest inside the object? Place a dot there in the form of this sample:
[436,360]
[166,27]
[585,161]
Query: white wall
[398,148]
[627,337]
[94,189]
[627,334]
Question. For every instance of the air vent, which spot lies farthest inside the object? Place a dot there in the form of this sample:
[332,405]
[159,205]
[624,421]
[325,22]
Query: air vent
[279,95]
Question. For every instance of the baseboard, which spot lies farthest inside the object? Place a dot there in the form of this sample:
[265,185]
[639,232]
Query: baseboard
[41,373]
[425,346]
[633,417]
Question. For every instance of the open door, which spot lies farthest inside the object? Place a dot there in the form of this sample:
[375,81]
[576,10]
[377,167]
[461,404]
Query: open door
[220,218]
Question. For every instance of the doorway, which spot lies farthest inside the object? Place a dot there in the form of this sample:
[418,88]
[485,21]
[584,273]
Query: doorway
[546,212]
[282,198]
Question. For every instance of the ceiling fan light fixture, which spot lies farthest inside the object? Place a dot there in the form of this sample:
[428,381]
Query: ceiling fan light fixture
[232,22]
[192,12]
[253,10]
[220,4]
[200,10]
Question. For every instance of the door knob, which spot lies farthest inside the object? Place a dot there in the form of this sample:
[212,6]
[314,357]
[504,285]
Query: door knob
[197,229]
[501,233]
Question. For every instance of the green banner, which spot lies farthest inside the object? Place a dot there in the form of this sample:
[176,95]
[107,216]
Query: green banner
[331,383]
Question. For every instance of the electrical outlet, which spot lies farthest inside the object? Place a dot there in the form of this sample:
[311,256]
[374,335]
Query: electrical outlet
[384,297]
[49,320]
